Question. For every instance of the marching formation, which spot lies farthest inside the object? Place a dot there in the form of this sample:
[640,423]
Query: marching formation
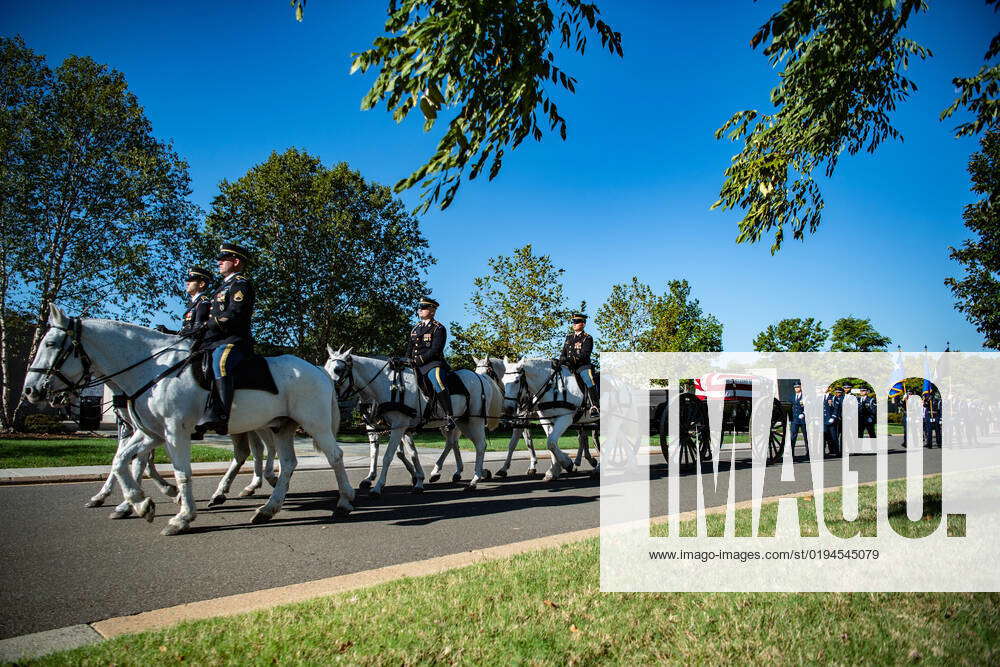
[171,387]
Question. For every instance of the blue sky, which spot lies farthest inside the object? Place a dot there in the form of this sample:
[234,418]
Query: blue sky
[627,194]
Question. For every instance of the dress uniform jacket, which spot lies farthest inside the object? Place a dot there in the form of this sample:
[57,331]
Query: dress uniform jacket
[229,319]
[427,341]
[197,313]
[577,349]
[798,410]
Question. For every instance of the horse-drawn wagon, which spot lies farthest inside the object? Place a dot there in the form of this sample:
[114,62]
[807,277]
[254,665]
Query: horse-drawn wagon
[735,390]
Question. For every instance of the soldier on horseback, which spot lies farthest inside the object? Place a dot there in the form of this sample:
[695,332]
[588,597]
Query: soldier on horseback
[226,334]
[426,352]
[195,284]
[575,355]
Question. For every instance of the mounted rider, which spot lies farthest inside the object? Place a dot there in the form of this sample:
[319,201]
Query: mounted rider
[575,355]
[226,334]
[426,353]
[196,285]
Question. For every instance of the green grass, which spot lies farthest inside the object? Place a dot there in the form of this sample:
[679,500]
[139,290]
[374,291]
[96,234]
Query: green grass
[545,607]
[41,453]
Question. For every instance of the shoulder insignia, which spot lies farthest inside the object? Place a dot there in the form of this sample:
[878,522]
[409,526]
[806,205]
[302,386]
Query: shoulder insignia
[238,296]
[221,296]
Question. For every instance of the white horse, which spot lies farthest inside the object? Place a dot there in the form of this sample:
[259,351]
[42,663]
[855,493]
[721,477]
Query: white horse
[371,379]
[166,403]
[535,384]
[494,369]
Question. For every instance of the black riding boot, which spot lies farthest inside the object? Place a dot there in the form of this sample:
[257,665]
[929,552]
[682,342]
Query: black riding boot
[595,401]
[444,400]
[216,415]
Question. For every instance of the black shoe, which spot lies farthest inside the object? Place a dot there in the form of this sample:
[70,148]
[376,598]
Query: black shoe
[198,434]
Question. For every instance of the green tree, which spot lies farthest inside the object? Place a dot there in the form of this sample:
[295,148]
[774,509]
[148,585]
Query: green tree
[99,207]
[792,334]
[636,319]
[844,64]
[518,310]
[977,294]
[625,317]
[487,65]
[853,334]
[337,259]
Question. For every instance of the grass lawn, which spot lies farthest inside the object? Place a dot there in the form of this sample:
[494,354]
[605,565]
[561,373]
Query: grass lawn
[41,453]
[545,607]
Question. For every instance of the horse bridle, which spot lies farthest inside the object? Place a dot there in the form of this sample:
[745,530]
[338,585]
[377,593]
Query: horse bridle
[75,349]
[348,377]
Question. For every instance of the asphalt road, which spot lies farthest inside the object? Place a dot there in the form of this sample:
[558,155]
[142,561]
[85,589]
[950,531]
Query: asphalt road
[62,564]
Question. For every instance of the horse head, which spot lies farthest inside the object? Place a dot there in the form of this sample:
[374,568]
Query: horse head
[513,384]
[59,365]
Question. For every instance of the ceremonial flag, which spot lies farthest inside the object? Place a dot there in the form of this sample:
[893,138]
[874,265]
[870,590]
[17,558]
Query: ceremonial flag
[927,373]
[897,390]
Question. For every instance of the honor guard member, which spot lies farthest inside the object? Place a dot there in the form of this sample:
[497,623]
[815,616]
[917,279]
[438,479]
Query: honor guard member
[427,355]
[799,419]
[932,420]
[867,409]
[832,413]
[575,355]
[227,334]
[195,284]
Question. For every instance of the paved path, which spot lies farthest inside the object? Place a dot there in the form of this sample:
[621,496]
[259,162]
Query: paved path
[65,565]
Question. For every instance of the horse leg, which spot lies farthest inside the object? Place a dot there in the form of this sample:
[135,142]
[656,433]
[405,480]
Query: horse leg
[327,443]
[439,464]
[405,446]
[457,452]
[533,463]
[266,436]
[511,446]
[591,459]
[284,442]
[475,430]
[145,507]
[257,449]
[559,458]
[416,471]
[372,460]
[241,449]
[390,451]
[168,489]
[581,444]
[98,498]
[179,448]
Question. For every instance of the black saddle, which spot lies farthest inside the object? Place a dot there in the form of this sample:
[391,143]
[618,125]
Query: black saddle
[251,373]
[452,383]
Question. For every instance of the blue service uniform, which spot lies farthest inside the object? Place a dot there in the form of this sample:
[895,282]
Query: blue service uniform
[799,422]
[197,314]
[867,410]
[932,421]
[833,407]
[426,352]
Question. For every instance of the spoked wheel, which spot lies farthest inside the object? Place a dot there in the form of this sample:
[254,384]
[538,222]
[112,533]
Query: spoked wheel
[694,433]
[776,432]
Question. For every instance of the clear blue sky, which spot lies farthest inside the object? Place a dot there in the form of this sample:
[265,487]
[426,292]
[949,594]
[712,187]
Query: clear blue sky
[627,194]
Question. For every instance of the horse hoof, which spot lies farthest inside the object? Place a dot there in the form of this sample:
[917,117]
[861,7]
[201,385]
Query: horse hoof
[172,529]
[501,474]
[273,481]
[469,488]
[417,490]
[413,481]
[532,473]
[434,477]
[548,477]
[171,492]
[260,516]
[216,500]
[569,468]
[487,474]
[457,477]
[120,514]
[247,492]
[595,473]
[342,512]
[374,493]
[147,510]
[592,462]
[94,502]
[366,484]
